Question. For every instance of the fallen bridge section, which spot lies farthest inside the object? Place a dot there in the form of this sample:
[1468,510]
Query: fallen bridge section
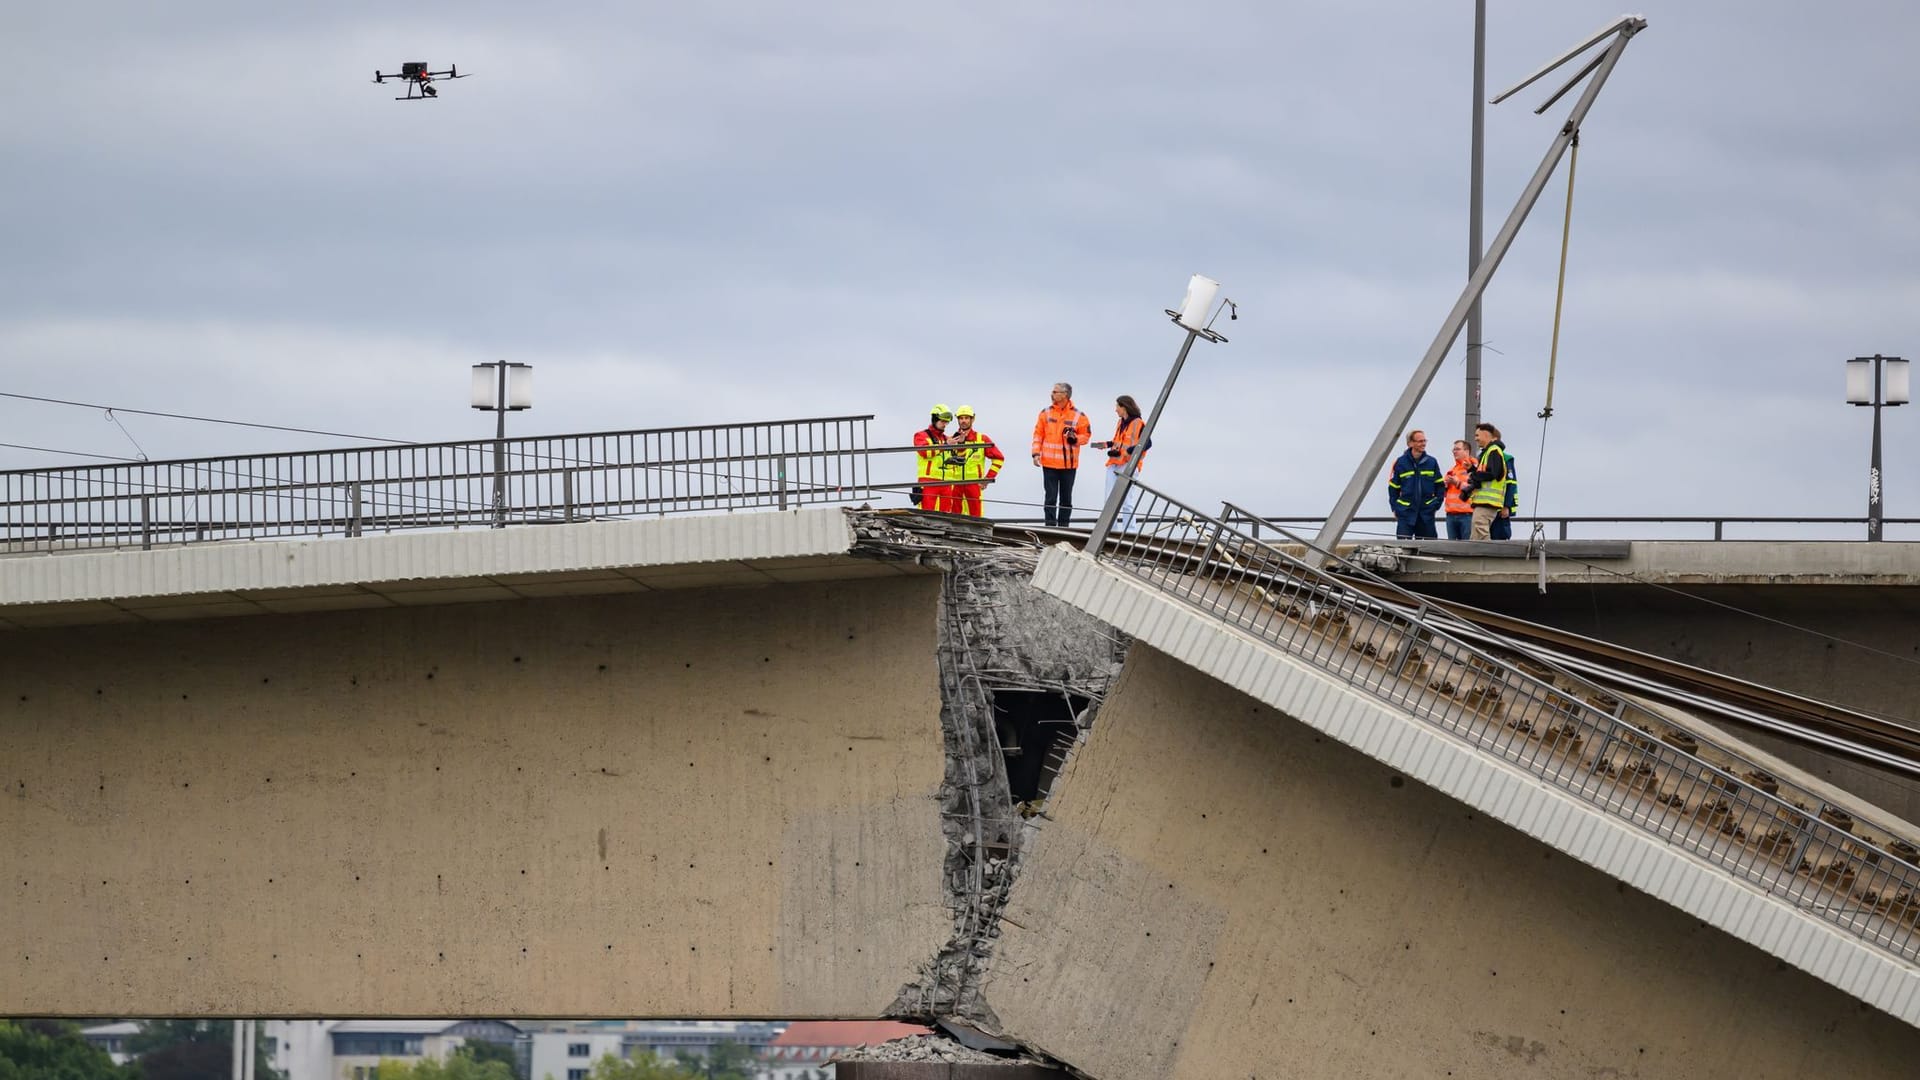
[1245,844]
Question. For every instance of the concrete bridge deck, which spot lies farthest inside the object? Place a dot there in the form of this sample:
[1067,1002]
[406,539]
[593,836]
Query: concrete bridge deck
[713,767]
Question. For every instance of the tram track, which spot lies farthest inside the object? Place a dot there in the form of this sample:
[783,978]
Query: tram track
[1878,741]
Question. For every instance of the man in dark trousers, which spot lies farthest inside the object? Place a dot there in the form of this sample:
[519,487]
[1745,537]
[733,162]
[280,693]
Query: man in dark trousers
[1059,433]
[1489,481]
[1414,490]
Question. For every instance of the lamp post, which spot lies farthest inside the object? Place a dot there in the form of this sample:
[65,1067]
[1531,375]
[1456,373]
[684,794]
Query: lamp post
[1193,318]
[1876,380]
[500,388]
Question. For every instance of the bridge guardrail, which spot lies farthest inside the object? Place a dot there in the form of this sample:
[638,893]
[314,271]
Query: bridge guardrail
[1555,725]
[474,483]
[561,478]
[1592,525]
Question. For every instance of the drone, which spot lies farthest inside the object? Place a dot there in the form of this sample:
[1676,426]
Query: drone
[415,74]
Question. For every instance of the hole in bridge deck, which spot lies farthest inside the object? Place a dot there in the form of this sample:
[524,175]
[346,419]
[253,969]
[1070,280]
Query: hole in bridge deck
[1036,730]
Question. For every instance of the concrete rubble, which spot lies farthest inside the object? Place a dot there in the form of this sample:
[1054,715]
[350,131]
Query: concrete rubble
[929,1048]
[997,633]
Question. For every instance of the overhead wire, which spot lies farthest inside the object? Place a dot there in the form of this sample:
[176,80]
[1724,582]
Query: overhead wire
[141,450]
[1553,352]
[1821,634]
[68,453]
[201,419]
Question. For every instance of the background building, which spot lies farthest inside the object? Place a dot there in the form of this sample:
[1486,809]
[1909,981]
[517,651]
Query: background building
[802,1051]
[359,1046]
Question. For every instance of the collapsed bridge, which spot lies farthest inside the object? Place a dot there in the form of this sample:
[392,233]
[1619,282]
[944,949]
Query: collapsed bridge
[1180,806]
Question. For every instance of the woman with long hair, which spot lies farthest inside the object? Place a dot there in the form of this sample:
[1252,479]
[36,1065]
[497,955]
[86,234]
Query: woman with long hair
[1121,449]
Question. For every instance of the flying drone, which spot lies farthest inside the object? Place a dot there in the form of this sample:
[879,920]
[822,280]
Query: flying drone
[415,74]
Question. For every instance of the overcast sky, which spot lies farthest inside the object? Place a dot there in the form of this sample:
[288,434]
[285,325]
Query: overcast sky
[704,213]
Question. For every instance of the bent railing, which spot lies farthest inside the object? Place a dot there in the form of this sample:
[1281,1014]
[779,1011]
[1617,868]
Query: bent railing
[1555,725]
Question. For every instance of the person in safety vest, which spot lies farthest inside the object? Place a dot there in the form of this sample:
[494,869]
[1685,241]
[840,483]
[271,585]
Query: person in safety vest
[934,493]
[1459,513]
[1503,525]
[974,462]
[1488,495]
[1414,490]
[1058,435]
[1123,448]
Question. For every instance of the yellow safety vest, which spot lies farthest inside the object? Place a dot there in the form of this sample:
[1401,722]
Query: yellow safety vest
[970,465]
[1492,492]
[932,455]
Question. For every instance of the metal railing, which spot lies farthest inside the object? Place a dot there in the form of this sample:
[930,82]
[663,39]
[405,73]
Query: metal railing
[1553,724]
[1617,527]
[350,492]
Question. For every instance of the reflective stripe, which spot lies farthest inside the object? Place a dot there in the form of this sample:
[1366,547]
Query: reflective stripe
[1394,484]
[1491,492]
[1456,501]
[971,464]
[933,463]
[1126,436]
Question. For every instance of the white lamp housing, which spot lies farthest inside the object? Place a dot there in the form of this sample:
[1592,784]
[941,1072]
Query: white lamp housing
[484,387]
[1897,387]
[519,386]
[1201,292]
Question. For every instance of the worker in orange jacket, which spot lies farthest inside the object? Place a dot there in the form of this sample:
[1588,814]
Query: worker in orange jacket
[1121,450]
[974,462]
[1458,479]
[931,480]
[1058,435]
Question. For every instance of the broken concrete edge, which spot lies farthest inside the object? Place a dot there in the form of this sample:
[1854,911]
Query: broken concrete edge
[997,634]
[1490,786]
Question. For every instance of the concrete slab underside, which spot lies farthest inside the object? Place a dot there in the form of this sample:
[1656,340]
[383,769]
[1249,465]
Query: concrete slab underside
[1222,891]
[701,803]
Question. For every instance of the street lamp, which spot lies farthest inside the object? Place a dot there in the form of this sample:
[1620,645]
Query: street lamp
[500,388]
[1876,380]
[1193,318]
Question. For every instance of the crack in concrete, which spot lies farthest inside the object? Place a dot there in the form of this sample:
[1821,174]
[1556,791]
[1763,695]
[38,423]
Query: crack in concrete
[997,633]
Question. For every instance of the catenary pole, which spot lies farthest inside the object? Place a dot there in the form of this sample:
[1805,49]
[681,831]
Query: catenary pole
[1476,173]
[1402,412]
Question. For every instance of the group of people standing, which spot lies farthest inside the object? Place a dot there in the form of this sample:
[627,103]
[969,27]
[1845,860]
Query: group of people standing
[955,467]
[1479,493]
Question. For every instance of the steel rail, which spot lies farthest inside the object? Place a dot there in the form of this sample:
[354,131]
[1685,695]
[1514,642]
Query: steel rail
[1881,733]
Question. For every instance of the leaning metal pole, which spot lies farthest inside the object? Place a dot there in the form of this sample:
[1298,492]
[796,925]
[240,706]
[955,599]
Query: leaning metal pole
[1402,412]
[1123,486]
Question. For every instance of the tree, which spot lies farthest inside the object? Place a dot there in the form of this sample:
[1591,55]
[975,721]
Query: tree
[53,1050]
[641,1066]
[192,1050]
[184,1050]
[458,1067]
[483,1050]
[726,1061]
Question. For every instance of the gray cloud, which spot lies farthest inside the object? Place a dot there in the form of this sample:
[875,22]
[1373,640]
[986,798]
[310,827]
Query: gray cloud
[687,214]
